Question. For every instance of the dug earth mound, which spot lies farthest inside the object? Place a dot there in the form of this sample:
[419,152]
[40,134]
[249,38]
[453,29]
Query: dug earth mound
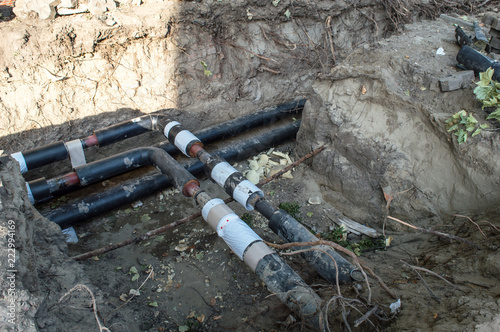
[370,72]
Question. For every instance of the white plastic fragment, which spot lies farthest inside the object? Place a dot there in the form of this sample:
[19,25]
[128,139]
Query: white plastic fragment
[395,306]
[314,200]
[70,235]
[440,51]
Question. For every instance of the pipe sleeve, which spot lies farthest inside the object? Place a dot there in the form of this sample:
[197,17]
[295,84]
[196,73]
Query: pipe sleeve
[183,139]
[234,231]
[76,154]
[30,194]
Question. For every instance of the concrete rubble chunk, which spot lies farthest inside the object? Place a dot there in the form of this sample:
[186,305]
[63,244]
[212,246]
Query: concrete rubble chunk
[457,81]
[44,8]
[99,7]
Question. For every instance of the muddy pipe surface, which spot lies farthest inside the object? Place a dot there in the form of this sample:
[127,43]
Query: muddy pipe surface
[290,230]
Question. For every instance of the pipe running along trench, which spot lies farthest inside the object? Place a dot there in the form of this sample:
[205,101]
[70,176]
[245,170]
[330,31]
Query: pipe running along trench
[243,241]
[326,261]
[74,150]
[132,190]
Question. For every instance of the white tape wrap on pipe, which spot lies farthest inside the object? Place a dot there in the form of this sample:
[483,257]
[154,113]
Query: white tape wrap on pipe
[182,140]
[221,172]
[209,205]
[76,154]
[20,159]
[236,234]
[169,126]
[30,194]
[243,191]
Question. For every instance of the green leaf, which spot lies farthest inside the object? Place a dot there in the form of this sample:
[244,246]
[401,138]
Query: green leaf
[133,270]
[135,277]
[153,304]
[477,132]
[471,119]
[483,92]
[495,115]
[145,217]
[183,328]
[485,77]
[310,214]
[452,128]
[484,126]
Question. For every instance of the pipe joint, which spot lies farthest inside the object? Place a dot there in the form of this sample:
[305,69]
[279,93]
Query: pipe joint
[183,139]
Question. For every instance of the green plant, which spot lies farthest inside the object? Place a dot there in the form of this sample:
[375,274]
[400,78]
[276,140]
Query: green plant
[206,72]
[488,92]
[292,208]
[462,124]
[339,236]
[247,218]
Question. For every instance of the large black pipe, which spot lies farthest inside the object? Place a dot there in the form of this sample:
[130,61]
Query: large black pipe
[45,155]
[130,191]
[475,60]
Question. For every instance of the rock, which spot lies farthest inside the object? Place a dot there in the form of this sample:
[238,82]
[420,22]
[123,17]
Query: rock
[457,81]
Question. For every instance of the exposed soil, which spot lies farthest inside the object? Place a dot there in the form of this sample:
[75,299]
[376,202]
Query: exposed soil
[373,101]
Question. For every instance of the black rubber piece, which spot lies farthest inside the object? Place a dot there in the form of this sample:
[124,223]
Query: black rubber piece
[289,287]
[40,190]
[45,154]
[70,214]
[474,60]
[290,230]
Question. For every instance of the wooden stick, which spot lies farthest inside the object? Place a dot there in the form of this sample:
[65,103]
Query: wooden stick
[472,221]
[449,236]
[434,296]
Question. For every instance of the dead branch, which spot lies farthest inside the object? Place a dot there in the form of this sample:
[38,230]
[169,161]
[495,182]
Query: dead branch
[428,271]
[328,27]
[80,287]
[360,320]
[255,54]
[449,236]
[472,221]
[157,231]
[433,295]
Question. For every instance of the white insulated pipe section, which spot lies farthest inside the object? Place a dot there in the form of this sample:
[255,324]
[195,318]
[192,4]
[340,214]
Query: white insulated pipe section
[242,240]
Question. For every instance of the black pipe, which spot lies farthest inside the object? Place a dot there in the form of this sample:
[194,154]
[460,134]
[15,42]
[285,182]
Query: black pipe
[245,123]
[290,230]
[474,60]
[130,191]
[44,155]
[126,161]
[130,128]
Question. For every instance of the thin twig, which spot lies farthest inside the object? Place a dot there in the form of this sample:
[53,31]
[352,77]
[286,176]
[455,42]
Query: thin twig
[434,296]
[80,287]
[133,295]
[428,271]
[360,320]
[449,236]
[328,24]
[255,54]
[293,165]
[472,221]
[360,263]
